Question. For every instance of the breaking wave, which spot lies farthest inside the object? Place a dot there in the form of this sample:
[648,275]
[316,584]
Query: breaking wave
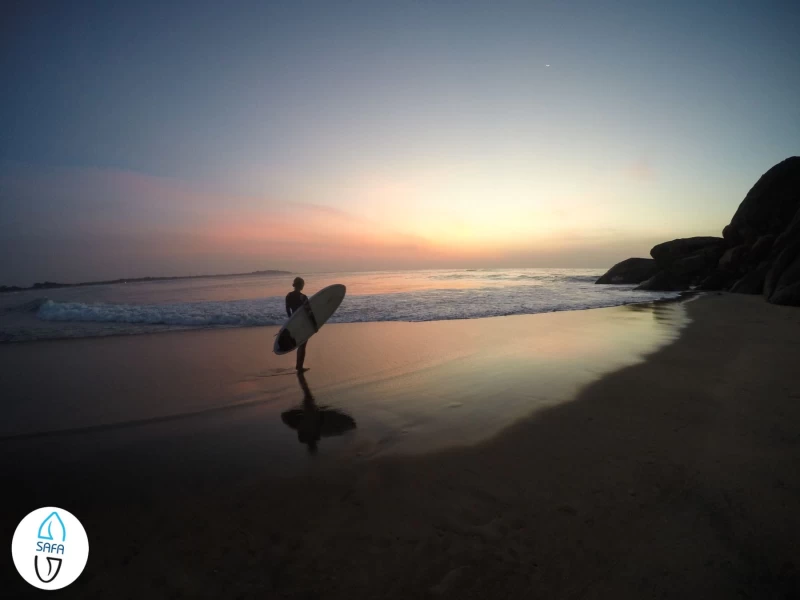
[449,295]
[196,314]
[26,307]
[427,305]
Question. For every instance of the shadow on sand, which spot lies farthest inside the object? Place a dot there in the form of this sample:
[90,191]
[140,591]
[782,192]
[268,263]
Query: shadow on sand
[313,422]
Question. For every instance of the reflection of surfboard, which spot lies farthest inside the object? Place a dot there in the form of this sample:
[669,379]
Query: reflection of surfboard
[308,319]
[323,420]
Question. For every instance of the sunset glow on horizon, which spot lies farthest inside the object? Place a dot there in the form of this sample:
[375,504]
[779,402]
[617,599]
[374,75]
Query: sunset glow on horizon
[368,136]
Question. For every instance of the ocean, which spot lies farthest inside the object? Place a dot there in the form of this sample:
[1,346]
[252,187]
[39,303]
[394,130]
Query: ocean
[258,300]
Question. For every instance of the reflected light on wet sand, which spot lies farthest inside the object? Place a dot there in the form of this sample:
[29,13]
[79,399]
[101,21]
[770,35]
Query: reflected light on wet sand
[433,385]
[195,401]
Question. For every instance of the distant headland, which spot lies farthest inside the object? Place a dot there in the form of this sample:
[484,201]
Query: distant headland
[49,285]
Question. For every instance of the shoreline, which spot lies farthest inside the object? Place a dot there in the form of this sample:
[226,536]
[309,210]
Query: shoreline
[673,476]
[234,367]
[684,296]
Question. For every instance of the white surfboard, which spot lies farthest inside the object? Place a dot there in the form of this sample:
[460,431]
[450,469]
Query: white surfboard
[308,319]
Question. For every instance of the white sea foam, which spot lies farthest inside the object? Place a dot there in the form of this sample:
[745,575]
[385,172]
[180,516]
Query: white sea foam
[119,309]
[196,314]
[427,305]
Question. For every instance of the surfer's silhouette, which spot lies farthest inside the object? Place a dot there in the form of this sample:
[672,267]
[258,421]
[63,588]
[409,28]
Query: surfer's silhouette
[294,302]
[314,422]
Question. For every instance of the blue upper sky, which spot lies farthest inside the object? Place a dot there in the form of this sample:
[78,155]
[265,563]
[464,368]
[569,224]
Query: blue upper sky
[491,131]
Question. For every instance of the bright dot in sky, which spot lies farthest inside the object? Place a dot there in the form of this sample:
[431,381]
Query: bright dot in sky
[547,65]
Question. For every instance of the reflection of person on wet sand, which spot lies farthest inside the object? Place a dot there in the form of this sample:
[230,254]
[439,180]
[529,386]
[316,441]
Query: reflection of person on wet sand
[314,422]
[309,430]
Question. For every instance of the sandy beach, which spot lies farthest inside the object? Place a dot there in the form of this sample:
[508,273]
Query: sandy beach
[629,452]
[400,300]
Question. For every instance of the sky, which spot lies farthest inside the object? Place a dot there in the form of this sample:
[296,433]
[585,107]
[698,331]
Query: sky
[174,138]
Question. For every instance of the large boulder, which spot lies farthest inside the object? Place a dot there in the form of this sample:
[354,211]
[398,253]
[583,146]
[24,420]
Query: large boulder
[788,295]
[669,252]
[684,262]
[733,260]
[762,248]
[782,285]
[766,229]
[769,205]
[716,281]
[783,278]
[731,236]
[702,262]
[663,281]
[632,270]
[789,234]
[752,283]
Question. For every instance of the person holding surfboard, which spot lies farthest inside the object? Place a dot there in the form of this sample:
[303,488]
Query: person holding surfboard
[295,301]
[306,316]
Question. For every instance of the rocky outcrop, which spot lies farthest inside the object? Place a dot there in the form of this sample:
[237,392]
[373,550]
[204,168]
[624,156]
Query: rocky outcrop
[716,281]
[632,270]
[762,248]
[782,285]
[676,265]
[770,204]
[768,224]
[752,283]
[788,295]
[663,282]
[733,260]
[684,262]
[670,252]
[758,253]
[699,263]
[730,235]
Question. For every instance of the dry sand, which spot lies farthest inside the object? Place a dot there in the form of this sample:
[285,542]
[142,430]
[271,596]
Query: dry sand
[675,477]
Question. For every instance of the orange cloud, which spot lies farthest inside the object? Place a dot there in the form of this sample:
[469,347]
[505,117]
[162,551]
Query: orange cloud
[122,222]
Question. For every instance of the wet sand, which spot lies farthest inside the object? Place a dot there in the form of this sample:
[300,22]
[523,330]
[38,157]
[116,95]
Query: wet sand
[595,457]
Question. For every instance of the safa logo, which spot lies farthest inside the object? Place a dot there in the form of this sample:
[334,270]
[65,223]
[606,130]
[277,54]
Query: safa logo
[46,533]
[43,554]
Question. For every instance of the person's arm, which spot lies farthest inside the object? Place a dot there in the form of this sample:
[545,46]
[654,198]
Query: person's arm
[288,310]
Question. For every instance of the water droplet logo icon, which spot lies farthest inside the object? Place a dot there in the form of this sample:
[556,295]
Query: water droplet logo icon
[46,528]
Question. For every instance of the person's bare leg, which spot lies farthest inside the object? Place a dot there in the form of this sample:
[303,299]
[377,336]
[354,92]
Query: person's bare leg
[301,357]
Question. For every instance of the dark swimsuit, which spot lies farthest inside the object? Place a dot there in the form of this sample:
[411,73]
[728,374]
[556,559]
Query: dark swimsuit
[294,301]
